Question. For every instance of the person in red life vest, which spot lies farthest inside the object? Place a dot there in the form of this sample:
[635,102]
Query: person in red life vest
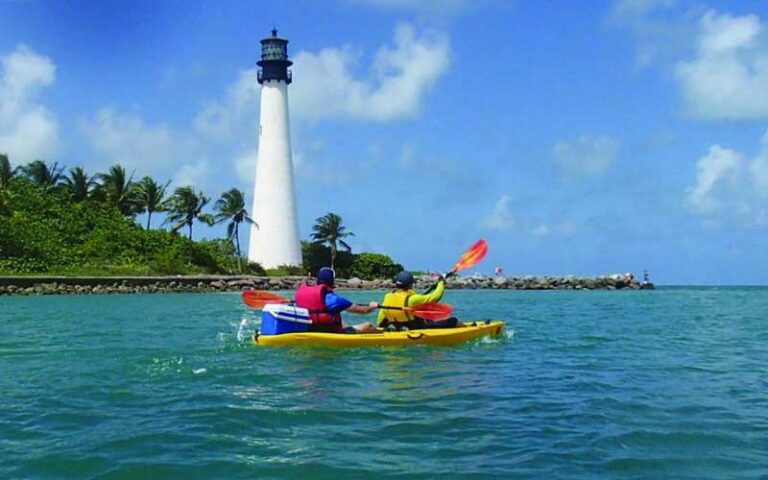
[325,306]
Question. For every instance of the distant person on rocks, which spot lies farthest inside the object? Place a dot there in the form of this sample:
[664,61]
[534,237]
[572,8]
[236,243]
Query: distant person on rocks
[405,296]
[325,306]
[498,271]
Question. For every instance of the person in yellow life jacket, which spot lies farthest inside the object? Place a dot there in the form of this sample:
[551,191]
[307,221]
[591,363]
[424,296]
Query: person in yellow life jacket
[405,296]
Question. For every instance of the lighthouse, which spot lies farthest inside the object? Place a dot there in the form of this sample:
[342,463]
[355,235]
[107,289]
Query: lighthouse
[275,237]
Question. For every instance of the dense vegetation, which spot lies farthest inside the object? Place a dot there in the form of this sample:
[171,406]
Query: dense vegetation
[76,224]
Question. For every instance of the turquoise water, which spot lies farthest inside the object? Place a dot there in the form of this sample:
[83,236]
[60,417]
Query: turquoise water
[609,384]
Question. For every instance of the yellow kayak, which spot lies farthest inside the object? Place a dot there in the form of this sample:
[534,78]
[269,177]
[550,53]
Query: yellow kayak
[431,336]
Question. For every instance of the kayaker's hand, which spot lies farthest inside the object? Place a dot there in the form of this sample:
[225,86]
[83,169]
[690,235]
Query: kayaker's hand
[373,306]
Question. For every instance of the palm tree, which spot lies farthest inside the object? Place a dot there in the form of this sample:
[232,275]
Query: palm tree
[329,230]
[118,190]
[151,197]
[79,184]
[186,205]
[231,206]
[6,172]
[42,175]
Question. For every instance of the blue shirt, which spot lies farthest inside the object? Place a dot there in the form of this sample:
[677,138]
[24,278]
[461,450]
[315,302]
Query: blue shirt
[335,303]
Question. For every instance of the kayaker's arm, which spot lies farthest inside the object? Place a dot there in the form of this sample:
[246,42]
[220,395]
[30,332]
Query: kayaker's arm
[430,296]
[336,303]
[357,308]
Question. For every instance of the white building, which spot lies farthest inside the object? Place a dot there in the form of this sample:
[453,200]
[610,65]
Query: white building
[276,240]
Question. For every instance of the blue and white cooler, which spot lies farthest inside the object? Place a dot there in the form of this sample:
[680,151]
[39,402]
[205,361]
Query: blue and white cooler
[282,318]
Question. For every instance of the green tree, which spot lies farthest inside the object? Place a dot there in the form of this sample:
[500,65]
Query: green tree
[328,230]
[374,265]
[231,206]
[42,175]
[6,172]
[315,256]
[150,196]
[79,184]
[119,190]
[185,207]
[48,232]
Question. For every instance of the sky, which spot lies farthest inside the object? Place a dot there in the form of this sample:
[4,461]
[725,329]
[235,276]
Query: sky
[611,137]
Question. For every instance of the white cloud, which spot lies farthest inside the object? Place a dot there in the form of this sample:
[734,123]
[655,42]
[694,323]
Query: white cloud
[731,190]
[587,156]
[717,175]
[235,116]
[245,166]
[500,217]
[154,150]
[725,33]
[28,131]
[193,174]
[728,77]
[126,139]
[324,86]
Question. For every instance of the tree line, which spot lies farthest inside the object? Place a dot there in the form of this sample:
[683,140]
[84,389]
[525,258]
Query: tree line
[71,222]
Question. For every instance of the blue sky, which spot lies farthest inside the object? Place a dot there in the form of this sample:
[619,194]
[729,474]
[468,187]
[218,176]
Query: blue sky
[612,137]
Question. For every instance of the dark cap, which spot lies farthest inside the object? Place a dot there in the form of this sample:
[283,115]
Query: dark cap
[326,276]
[404,279]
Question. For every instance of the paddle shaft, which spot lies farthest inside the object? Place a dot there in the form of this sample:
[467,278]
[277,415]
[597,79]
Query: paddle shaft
[387,307]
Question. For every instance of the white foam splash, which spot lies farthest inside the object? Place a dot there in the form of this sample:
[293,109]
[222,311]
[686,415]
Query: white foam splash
[243,327]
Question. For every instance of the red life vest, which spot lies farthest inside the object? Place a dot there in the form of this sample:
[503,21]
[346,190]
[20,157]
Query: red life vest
[313,299]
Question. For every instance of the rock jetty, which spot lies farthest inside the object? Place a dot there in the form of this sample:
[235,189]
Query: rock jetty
[211,283]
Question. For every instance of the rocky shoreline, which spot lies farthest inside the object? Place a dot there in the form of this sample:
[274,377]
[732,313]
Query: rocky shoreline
[210,283]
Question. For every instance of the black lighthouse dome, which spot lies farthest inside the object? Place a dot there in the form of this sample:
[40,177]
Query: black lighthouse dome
[274,61]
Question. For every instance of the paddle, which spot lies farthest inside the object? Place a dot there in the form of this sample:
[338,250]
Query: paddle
[258,298]
[430,311]
[471,257]
[427,311]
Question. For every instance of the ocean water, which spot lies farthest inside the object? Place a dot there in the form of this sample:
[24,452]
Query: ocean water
[592,385]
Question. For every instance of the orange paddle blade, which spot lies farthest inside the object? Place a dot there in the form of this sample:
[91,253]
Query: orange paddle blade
[431,311]
[472,256]
[258,298]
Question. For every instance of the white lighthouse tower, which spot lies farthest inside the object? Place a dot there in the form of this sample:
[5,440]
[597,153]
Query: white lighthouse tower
[276,240]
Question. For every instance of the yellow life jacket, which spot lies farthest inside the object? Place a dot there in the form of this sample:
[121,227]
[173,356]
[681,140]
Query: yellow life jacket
[397,298]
